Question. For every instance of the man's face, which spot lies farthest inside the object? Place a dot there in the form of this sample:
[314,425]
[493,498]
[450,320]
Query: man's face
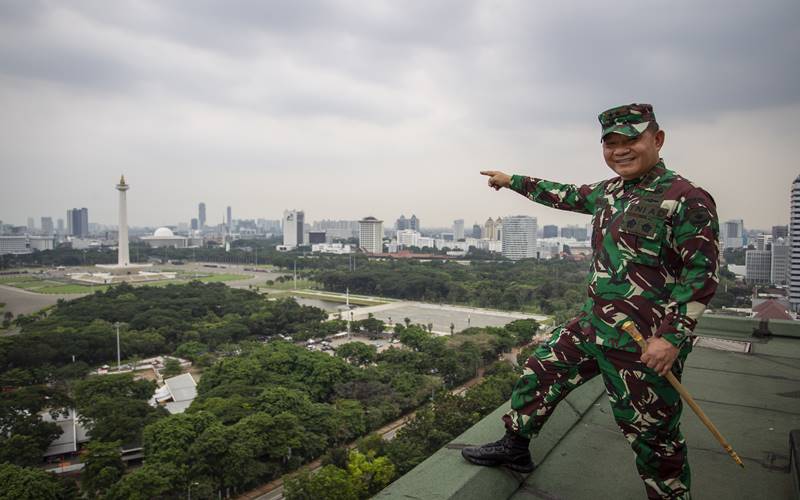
[632,157]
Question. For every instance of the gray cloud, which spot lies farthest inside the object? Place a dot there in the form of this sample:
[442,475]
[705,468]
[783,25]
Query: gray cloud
[367,89]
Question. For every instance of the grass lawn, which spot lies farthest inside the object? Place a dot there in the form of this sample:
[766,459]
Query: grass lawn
[41,285]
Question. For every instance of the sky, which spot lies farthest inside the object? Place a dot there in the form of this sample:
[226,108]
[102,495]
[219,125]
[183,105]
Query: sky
[347,109]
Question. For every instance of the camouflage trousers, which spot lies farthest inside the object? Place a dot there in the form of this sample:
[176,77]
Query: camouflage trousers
[645,406]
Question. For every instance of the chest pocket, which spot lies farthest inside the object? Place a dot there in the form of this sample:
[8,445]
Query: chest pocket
[642,232]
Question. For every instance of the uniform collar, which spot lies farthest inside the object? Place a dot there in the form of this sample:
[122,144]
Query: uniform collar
[647,182]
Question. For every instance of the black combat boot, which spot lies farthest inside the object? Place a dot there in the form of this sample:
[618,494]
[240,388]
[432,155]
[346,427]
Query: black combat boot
[511,451]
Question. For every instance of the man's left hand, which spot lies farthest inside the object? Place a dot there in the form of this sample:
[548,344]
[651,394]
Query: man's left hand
[660,355]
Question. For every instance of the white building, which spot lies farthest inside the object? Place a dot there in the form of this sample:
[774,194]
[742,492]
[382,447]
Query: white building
[758,267]
[25,244]
[334,248]
[370,235]
[519,237]
[164,237]
[293,225]
[794,239]
[780,262]
[408,238]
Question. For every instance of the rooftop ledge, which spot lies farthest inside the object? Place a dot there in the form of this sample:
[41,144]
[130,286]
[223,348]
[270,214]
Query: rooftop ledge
[753,398]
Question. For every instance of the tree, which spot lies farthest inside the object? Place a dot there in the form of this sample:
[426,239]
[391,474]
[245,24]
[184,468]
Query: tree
[114,407]
[331,483]
[152,480]
[357,353]
[172,367]
[22,483]
[370,474]
[102,467]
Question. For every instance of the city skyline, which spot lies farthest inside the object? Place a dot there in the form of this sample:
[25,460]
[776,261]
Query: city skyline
[348,110]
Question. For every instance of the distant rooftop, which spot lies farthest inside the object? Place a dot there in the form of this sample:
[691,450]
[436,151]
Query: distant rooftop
[752,397]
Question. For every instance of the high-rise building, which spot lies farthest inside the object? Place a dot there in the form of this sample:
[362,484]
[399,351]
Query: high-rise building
[413,223]
[476,231]
[370,235]
[780,232]
[229,218]
[488,229]
[402,223]
[794,239]
[763,241]
[47,225]
[201,215]
[732,233]
[31,225]
[78,220]
[293,222]
[780,261]
[550,231]
[758,267]
[195,225]
[498,229]
[60,226]
[519,237]
[458,229]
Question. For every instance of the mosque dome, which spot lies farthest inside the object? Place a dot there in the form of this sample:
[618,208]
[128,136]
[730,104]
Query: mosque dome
[163,232]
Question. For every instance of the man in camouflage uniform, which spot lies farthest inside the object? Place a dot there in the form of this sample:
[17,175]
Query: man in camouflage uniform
[654,262]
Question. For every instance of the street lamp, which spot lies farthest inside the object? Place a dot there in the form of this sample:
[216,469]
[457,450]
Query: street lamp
[189,492]
[118,355]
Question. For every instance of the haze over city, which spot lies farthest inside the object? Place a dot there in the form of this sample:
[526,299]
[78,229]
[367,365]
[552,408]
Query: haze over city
[346,109]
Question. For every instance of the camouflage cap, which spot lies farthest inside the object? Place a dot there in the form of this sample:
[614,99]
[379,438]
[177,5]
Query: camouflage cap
[629,120]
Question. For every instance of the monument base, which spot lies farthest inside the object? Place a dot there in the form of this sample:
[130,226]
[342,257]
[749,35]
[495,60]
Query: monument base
[131,273]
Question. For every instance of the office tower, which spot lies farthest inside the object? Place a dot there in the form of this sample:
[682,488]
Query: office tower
[780,261]
[794,241]
[317,237]
[732,233]
[60,226]
[758,267]
[763,241]
[201,215]
[413,223]
[488,229]
[458,229]
[69,222]
[370,235]
[47,225]
[293,223]
[476,231]
[581,234]
[229,220]
[550,231]
[402,223]
[31,225]
[780,232]
[194,224]
[498,229]
[519,237]
[78,219]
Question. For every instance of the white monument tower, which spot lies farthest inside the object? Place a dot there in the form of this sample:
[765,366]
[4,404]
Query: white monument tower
[123,256]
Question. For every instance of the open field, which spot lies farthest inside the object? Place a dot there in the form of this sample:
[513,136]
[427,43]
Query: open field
[46,285]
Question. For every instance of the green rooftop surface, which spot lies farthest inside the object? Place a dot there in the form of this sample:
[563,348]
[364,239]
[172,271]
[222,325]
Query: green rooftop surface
[753,398]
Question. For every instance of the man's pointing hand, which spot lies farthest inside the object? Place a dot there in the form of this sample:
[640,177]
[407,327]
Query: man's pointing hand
[497,179]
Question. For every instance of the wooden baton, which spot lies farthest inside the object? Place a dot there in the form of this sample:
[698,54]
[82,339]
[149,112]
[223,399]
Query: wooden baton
[631,330]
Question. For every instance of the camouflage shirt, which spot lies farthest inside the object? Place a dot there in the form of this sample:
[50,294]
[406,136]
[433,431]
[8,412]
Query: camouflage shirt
[655,257]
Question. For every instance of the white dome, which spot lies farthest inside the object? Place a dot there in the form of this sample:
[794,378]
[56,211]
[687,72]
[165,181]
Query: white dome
[163,232]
